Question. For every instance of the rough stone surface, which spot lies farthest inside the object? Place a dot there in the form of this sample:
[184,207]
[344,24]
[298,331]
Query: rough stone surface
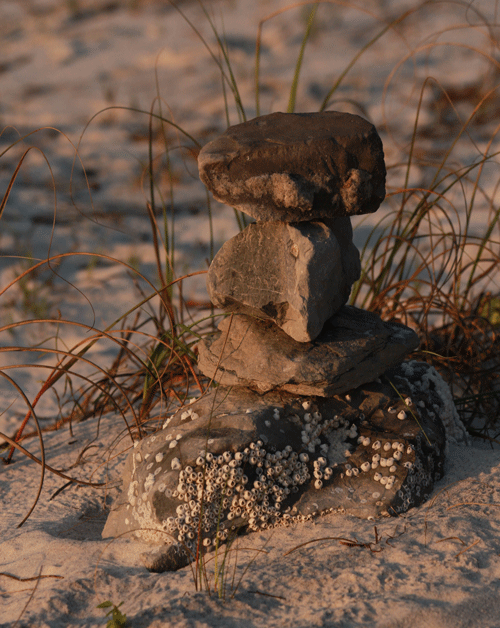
[354,347]
[342,230]
[259,461]
[161,559]
[292,274]
[297,166]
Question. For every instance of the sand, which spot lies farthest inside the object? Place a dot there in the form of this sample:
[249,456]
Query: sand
[436,566]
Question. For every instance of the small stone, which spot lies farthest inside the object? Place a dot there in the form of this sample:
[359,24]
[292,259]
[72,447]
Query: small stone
[291,274]
[354,347]
[297,166]
[165,558]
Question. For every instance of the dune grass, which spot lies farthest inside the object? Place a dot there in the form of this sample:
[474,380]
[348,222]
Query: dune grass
[424,264]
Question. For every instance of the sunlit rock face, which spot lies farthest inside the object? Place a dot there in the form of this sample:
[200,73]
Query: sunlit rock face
[354,347]
[299,166]
[291,274]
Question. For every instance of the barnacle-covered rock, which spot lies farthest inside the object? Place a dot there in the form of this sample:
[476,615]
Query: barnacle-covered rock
[237,461]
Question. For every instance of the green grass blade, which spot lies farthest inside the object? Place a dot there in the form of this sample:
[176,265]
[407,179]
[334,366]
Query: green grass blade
[229,80]
[300,58]
[366,47]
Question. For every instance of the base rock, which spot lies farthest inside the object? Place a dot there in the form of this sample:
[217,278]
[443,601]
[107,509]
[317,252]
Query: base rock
[244,461]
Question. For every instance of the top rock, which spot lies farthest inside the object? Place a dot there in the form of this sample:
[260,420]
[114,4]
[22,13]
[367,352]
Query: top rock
[297,166]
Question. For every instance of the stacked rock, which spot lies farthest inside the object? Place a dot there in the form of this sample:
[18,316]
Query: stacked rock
[301,177]
[289,275]
[315,410]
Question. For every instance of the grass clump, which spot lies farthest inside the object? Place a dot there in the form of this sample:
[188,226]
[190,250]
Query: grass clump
[117,619]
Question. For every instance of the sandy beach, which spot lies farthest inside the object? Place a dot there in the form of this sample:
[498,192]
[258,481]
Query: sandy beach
[75,74]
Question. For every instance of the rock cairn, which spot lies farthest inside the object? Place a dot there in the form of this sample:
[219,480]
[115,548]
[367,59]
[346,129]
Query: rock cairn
[315,410]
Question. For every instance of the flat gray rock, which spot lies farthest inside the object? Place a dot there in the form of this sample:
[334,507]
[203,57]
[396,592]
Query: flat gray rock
[243,461]
[354,347]
[292,274]
[297,166]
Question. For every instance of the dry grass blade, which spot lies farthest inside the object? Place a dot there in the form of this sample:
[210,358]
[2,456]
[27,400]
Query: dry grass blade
[18,579]
[471,504]
[64,367]
[341,539]
[30,597]
[276,597]
[466,549]
[48,467]
[451,538]
[42,462]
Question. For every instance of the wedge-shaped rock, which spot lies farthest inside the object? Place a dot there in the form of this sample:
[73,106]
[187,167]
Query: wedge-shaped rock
[235,460]
[297,166]
[292,274]
[354,347]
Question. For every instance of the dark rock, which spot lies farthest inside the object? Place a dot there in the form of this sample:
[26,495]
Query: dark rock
[166,558]
[342,229]
[243,461]
[297,166]
[354,347]
[292,274]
